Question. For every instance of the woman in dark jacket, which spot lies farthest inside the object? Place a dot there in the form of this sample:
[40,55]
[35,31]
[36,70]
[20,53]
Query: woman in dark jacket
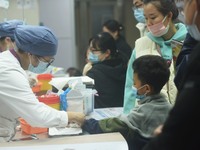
[108,71]
[114,28]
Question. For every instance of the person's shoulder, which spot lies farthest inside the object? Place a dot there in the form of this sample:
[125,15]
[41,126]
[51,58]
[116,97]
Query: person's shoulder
[144,38]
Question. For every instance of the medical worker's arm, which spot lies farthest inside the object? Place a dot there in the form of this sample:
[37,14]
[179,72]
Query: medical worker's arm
[105,126]
[76,117]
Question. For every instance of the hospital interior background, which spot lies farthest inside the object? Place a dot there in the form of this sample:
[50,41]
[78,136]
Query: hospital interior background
[73,22]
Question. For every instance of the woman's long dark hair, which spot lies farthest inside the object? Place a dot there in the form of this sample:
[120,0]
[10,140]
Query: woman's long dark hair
[104,41]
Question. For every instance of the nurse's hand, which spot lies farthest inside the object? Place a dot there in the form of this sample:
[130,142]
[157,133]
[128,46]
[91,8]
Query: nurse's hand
[32,82]
[76,117]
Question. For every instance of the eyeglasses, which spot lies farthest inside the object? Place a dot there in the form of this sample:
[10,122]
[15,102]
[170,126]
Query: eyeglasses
[47,61]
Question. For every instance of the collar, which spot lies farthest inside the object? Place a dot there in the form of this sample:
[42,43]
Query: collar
[15,54]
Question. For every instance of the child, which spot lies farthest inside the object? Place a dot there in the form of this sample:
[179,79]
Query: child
[150,74]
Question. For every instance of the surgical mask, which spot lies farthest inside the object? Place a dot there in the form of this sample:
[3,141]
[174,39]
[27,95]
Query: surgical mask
[193,30]
[139,14]
[135,92]
[93,58]
[42,67]
[158,29]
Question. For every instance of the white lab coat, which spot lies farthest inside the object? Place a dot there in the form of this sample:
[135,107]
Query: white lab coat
[18,100]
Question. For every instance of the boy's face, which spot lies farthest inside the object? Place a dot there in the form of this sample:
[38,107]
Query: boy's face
[142,89]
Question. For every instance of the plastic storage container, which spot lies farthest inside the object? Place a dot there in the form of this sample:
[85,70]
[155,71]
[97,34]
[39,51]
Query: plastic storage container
[88,100]
[52,100]
[75,100]
[29,129]
[45,79]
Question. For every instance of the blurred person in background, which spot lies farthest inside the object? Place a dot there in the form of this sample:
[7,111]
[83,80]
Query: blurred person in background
[7,29]
[138,13]
[114,28]
[108,71]
[189,43]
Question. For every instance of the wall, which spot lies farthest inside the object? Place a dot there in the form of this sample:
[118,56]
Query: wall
[15,11]
[59,16]
[90,15]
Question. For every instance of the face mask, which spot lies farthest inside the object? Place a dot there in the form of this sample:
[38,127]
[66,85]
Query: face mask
[193,30]
[158,29]
[93,58]
[42,67]
[139,14]
[135,92]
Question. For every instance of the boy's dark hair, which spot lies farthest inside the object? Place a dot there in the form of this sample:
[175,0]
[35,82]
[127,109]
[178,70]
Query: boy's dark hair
[152,70]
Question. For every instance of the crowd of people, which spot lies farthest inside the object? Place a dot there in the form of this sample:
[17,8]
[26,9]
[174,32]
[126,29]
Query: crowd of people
[155,82]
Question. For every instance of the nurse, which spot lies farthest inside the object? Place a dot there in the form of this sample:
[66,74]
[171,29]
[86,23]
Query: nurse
[34,50]
[7,34]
